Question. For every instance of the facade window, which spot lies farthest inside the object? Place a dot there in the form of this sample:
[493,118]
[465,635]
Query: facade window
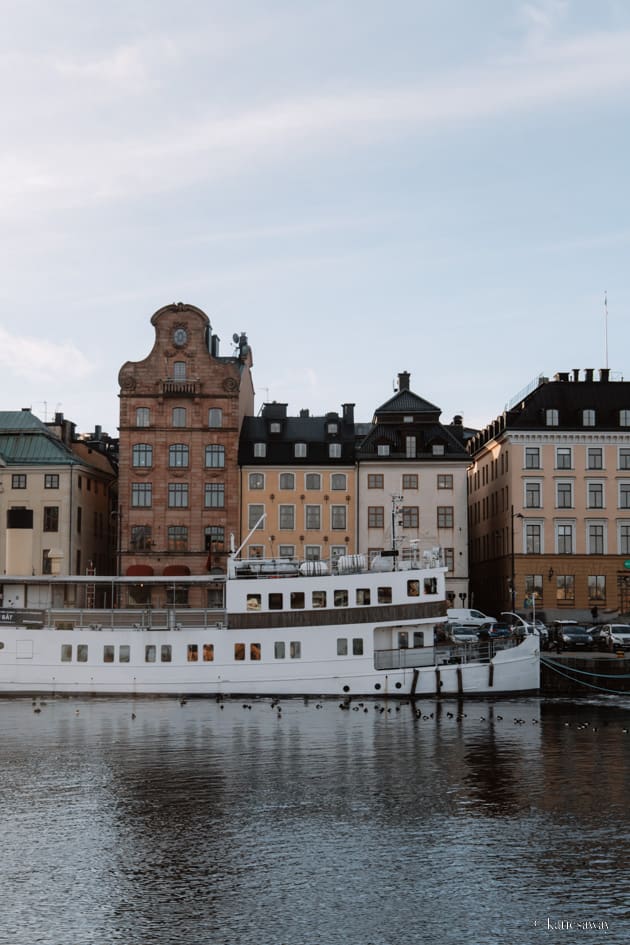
[215,418]
[46,562]
[624,457]
[178,456]
[299,450]
[51,481]
[410,481]
[260,450]
[256,551]
[383,449]
[177,538]
[18,481]
[596,539]
[334,450]
[339,482]
[141,495]
[551,418]
[375,480]
[337,551]
[143,417]
[410,516]
[565,588]
[376,516]
[597,587]
[287,551]
[313,481]
[449,558]
[256,481]
[438,449]
[594,458]
[532,457]
[445,481]
[533,495]
[141,537]
[51,518]
[564,495]
[564,457]
[624,538]
[534,586]
[624,418]
[178,417]
[214,495]
[332,428]
[410,447]
[275,427]
[179,370]
[564,538]
[313,517]
[312,553]
[215,456]
[595,495]
[533,539]
[214,536]
[286,517]
[624,495]
[178,495]
[287,481]
[588,418]
[338,517]
[254,514]
[142,455]
[445,516]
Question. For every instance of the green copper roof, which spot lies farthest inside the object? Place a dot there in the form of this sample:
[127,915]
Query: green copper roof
[25,440]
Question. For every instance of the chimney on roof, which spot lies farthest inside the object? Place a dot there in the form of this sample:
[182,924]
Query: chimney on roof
[348,413]
[403,381]
[576,374]
[458,420]
[562,376]
[304,412]
[604,375]
[588,374]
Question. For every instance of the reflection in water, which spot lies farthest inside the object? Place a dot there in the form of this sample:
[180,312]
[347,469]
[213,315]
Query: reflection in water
[383,823]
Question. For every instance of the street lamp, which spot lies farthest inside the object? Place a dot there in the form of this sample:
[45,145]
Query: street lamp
[513,580]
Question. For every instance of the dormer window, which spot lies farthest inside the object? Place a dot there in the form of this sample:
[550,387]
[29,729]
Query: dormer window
[588,418]
[551,418]
[260,450]
[332,428]
[624,418]
[407,419]
[299,450]
[275,427]
[383,449]
[438,449]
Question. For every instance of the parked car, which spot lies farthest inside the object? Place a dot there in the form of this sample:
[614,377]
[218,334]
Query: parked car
[599,642]
[461,634]
[467,617]
[522,627]
[575,637]
[499,631]
[616,636]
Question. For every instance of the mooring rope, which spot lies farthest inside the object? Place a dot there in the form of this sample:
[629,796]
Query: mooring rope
[615,692]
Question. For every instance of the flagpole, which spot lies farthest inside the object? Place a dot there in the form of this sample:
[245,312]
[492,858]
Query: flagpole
[606,328]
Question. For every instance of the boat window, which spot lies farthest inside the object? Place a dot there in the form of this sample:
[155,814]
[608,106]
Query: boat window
[208,652]
[108,654]
[254,601]
[166,653]
[297,600]
[295,650]
[319,598]
[66,653]
[342,646]
[82,653]
[403,639]
[254,651]
[430,586]
[357,646]
[239,651]
[413,588]
[192,653]
[149,653]
[384,595]
[363,595]
[279,650]
[123,654]
[341,598]
[275,602]
[418,638]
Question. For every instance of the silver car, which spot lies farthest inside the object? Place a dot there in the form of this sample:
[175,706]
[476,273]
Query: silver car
[616,636]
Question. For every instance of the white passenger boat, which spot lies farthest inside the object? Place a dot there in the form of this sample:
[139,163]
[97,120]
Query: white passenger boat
[271,628]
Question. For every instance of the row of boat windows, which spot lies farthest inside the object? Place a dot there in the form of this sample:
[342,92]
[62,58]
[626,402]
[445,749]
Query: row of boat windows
[204,653]
[340,598]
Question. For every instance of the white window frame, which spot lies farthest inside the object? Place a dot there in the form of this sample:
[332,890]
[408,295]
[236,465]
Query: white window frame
[602,485]
[600,523]
[563,483]
[557,525]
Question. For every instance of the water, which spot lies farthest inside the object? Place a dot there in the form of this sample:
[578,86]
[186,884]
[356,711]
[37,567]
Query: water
[200,825]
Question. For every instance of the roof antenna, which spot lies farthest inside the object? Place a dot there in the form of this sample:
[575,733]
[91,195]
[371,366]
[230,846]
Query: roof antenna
[606,328]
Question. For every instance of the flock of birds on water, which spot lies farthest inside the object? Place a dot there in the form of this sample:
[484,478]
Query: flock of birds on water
[347,706]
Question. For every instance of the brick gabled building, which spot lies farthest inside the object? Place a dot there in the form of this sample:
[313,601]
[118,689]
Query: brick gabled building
[181,410]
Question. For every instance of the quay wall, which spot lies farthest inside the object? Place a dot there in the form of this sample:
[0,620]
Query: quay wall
[584,674]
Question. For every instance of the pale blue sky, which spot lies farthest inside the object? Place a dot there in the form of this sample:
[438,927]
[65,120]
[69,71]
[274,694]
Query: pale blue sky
[364,187]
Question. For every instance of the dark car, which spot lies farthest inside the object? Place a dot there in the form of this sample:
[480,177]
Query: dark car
[574,637]
[600,642]
[499,631]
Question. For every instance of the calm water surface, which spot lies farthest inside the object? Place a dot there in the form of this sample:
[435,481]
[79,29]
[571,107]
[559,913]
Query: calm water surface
[193,824]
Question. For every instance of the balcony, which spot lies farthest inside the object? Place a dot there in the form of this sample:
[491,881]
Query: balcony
[183,388]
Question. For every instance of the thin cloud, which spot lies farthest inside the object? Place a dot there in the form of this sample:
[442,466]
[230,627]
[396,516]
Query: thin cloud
[35,359]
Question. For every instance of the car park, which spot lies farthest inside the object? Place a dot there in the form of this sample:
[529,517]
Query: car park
[616,636]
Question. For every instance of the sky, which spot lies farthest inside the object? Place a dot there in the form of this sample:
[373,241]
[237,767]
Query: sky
[364,187]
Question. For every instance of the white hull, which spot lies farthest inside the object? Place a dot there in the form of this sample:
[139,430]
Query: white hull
[348,634]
